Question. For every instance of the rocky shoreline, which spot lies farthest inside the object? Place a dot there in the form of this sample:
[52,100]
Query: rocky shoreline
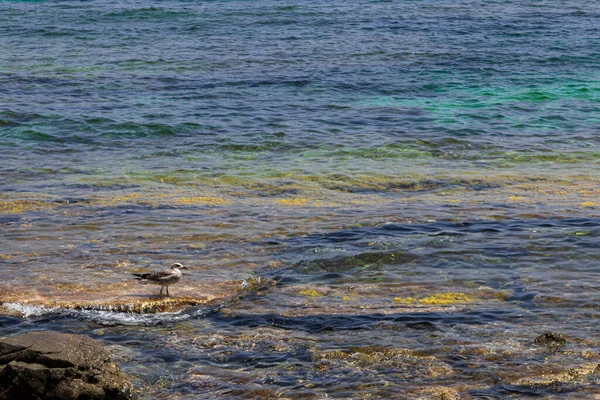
[48,365]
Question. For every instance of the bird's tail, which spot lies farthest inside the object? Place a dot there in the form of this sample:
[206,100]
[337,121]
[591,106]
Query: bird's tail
[140,276]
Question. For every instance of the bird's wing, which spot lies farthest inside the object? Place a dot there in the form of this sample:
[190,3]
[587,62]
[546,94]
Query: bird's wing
[160,275]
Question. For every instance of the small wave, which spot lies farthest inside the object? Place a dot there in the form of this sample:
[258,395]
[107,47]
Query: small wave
[122,318]
[108,317]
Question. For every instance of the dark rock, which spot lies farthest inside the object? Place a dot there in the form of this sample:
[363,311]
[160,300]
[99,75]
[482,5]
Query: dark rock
[55,366]
[551,339]
[422,326]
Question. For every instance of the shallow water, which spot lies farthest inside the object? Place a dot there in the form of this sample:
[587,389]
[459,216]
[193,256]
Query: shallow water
[384,199]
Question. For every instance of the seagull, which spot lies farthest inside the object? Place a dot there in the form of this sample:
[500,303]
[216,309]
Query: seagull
[163,278]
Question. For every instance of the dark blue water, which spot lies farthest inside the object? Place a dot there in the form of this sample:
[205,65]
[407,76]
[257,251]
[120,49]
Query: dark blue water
[376,198]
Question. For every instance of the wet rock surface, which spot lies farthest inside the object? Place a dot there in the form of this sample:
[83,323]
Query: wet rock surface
[550,339]
[54,366]
[129,297]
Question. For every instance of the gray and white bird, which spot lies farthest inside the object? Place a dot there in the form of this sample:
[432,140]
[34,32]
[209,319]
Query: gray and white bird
[164,278]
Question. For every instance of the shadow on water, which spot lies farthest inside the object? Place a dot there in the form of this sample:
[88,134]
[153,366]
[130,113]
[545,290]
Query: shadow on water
[504,391]
[331,323]
[463,247]
[445,228]
[9,323]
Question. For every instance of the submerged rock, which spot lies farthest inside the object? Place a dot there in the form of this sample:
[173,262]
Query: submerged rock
[439,393]
[422,326]
[551,339]
[55,366]
[584,373]
[402,363]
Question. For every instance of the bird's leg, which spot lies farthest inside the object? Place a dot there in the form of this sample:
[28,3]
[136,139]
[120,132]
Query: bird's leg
[167,290]
[161,288]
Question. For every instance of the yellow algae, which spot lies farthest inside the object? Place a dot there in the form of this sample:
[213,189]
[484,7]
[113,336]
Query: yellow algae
[133,306]
[127,197]
[200,200]
[161,198]
[404,300]
[249,183]
[439,299]
[292,202]
[588,204]
[310,293]
[516,198]
[20,206]
[364,202]
[110,200]
[445,298]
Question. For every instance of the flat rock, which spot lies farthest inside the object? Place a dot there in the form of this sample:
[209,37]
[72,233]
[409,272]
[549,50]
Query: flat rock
[54,366]
[120,297]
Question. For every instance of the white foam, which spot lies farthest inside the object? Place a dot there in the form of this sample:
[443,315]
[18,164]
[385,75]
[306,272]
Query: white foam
[27,310]
[105,317]
[125,318]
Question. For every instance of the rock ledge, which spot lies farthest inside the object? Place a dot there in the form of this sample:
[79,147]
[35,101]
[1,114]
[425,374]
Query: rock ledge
[54,366]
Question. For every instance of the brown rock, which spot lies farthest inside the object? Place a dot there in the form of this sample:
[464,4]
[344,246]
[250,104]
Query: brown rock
[55,366]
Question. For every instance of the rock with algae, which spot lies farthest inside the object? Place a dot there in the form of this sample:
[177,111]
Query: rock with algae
[439,393]
[121,297]
[130,306]
[551,339]
[21,206]
[577,375]
[310,293]
[438,299]
[404,362]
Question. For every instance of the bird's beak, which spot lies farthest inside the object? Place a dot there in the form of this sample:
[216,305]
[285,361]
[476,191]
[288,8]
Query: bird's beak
[184,267]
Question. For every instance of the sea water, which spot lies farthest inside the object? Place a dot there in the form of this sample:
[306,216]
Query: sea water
[409,187]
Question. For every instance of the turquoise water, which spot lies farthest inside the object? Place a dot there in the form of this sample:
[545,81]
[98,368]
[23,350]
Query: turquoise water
[280,80]
[361,157]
